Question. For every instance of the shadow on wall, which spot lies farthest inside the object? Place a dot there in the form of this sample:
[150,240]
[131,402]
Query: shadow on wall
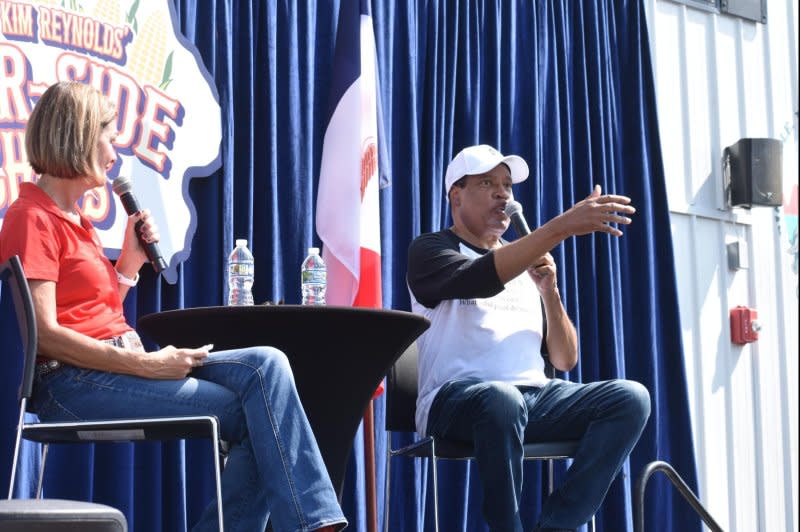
[710,272]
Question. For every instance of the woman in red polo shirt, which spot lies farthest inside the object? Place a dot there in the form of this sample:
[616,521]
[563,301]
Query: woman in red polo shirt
[92,364]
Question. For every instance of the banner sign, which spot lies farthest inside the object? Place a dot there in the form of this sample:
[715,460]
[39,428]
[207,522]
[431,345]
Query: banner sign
[168,113]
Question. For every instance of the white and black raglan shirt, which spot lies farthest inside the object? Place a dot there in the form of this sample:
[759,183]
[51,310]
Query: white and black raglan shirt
[479,329]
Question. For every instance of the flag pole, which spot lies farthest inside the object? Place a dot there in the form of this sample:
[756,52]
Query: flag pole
[369,468]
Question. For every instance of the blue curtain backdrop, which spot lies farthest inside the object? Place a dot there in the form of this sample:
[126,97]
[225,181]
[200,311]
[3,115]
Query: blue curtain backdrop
[567,85]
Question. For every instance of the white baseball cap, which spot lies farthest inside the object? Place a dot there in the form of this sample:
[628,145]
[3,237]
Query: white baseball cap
[480,159]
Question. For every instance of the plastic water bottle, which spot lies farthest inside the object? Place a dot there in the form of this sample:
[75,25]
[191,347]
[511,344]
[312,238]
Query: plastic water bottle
[313,278]
[241,270]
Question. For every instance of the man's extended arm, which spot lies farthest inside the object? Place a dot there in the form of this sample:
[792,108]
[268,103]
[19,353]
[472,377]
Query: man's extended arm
[594,213]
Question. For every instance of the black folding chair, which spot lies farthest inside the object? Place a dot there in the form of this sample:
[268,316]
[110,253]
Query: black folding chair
[401,406]
[114,430]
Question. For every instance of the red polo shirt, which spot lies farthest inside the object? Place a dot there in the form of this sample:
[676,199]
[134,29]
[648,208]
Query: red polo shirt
[53,248]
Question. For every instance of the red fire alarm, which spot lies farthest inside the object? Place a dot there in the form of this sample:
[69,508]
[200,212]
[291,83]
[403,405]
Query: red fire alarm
[744,325]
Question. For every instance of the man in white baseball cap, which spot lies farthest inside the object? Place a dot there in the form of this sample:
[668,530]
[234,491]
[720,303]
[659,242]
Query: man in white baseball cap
[481,365]
[479,159]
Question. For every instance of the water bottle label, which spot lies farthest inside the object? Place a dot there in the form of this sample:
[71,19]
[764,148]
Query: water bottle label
[240,268]
[314,276]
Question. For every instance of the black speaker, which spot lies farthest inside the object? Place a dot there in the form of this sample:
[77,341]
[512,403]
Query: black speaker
[753,170]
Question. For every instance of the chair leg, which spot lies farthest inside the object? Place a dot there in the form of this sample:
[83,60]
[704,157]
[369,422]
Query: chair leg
[217,475]
[435,486]
[550,481]
[224,451]
[17,444]
[387,486]
[40,484]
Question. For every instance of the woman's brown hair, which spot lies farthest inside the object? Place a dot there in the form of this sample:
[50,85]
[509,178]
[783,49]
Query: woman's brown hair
[63,130]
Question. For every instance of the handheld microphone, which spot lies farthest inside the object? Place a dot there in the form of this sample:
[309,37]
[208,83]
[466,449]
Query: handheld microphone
[124,189]
[514,211]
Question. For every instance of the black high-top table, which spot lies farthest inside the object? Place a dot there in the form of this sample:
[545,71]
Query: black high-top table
[338,356]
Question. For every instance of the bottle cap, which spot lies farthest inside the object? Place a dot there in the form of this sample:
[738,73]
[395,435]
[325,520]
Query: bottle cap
[241,242]
[313,251]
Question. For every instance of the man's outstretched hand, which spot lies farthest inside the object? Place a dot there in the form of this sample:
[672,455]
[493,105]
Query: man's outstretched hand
[596,213]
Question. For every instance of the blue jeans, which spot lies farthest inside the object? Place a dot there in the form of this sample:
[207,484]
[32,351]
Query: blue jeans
[274,468]
[607,417]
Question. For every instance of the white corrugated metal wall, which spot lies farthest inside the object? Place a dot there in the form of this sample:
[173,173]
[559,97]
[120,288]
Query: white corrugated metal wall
[718,79]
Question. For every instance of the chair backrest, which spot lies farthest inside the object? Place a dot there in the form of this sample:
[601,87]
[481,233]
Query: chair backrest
[11,271]
[401,392]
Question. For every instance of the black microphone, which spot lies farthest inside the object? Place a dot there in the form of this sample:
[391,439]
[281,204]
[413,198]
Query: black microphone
[124,189]
[514,211]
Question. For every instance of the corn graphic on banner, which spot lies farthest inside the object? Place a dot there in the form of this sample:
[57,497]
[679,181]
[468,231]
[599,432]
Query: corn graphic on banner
[168,113]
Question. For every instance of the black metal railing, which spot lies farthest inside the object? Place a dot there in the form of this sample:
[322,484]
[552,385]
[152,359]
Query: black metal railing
[677,481]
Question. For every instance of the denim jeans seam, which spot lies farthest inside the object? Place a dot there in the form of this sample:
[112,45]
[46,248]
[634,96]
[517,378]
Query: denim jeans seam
[279,443]
[551,417]
[275,432]
[134,392]
[51,400]
[89,382]
[118,390]
[273,423]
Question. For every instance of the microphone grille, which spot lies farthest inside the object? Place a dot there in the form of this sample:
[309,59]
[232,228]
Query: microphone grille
[121,185]
[513,207]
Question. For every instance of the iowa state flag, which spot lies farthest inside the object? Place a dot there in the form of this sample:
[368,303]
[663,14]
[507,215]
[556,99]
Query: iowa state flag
[348,215]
